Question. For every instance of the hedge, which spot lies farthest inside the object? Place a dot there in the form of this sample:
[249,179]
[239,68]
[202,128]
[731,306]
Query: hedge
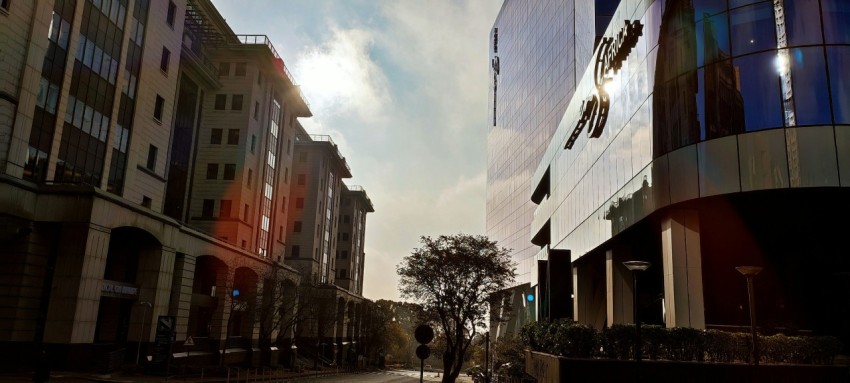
[570,339]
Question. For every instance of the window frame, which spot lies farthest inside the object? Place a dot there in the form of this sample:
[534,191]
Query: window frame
[152,154]
[171,14]
[229,173]
[212,169]
[159,108]
[165,60]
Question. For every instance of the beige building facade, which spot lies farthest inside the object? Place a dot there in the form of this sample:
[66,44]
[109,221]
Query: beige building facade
[146,156]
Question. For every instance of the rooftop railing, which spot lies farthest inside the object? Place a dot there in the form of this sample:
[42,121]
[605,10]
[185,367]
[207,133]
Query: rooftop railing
[326,138]
[264,40]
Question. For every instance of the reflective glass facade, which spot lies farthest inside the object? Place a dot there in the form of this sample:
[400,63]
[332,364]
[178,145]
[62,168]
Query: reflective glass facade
[533,74]
[714,98]
[704,135]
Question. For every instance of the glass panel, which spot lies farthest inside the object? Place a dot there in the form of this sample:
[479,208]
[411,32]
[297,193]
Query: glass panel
[759,86]
[802,22]
[712,39]
[718,166]
[753,29]
[738,3]
[836,14]
[763,160]
[811,160]
[684,184]
[708,7]
[839,61]
[811,97]
[842,144]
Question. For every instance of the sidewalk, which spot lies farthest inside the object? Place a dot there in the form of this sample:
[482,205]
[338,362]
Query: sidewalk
[82,377]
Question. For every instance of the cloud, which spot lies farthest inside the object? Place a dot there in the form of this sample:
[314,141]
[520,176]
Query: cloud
[339,76]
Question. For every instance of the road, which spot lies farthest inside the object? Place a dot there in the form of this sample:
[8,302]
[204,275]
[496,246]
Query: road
[395,376]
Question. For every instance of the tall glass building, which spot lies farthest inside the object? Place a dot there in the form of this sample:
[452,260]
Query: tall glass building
[537,55]
[702,136]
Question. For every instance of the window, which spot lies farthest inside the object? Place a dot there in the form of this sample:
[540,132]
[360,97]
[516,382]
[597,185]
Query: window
[288,146]
[259,78]
[302,179]
[295,252]
[146,201]
[229,171]
[297,227]
[253,142]
[223,69]
[207,209]
[215,136]
[256,109]
[232,136]
[244,244]
[250,177]
[240,69]
[4,4]
[286,175]
[157,110]
[344,254]
[151,165]
[245,212]
[236,102]
[346,218]
[172,10]
[163,61]
[283,204]
[224,209]
[299,203]
[220,102]
[344,236]
[212,171]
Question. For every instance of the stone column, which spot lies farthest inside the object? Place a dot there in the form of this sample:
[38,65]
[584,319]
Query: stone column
[181,291]
[619,289]
[582,292]
[156,273]
[682,259]
[77,283]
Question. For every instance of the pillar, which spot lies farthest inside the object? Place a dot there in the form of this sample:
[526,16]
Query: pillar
[619,289]
[156,271]
[77,283]
[682,261]
[181,292]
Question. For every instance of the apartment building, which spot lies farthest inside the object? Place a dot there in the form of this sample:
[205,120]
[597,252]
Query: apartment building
[146,164]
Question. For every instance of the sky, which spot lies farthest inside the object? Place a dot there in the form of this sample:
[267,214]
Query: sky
[401,86]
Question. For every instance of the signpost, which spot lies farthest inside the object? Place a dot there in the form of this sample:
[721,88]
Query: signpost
[424,334]
[165,336]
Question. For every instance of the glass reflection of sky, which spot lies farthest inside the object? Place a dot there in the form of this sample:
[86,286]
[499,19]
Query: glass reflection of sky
[717,76]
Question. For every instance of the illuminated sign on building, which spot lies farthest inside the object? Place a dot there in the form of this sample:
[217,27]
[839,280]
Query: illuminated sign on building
[610,55]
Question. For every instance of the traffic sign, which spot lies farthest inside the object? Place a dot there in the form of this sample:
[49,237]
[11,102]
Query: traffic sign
[423,352]
[424,334]
[189,341]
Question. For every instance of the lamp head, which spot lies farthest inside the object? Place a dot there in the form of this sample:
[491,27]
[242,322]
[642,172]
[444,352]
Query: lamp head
[748,271]
[637,265]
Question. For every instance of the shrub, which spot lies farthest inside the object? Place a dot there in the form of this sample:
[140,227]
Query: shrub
[567,338]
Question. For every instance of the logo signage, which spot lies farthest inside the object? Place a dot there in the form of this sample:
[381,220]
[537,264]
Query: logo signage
[610,56]
[118,290]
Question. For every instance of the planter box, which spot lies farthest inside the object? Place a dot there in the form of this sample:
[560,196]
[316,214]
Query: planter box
[552,369]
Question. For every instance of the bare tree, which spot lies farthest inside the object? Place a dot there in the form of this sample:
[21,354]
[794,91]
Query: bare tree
[456,276]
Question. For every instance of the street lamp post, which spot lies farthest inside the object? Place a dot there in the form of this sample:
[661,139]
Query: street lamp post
[142,329]
[750,272]
[635,267]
